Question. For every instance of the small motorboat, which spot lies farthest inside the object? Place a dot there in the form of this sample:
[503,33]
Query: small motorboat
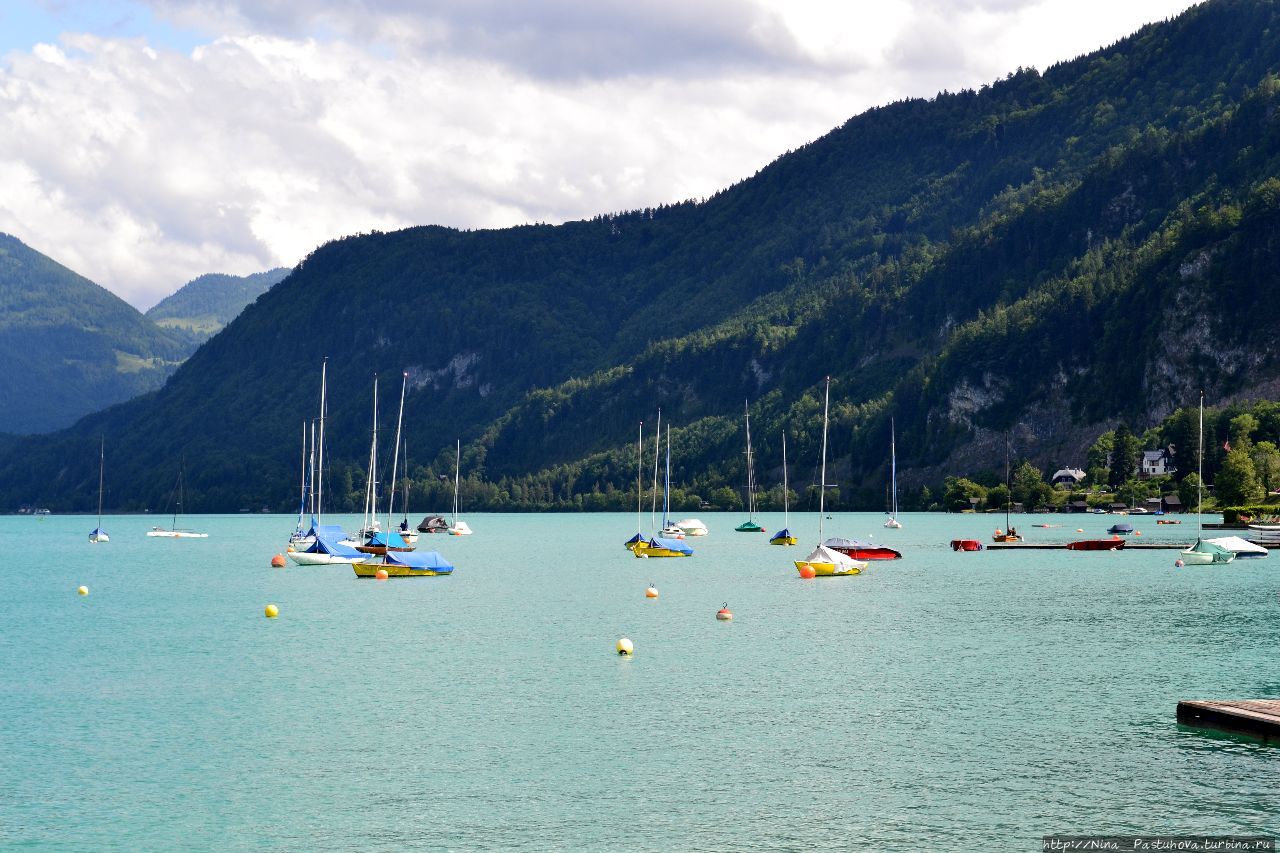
[1121,529]
[1046,525]
[692,527]
[1113,544]
[859,550]
[433,524]
[966,545]
[828,563]
[1167,521]
[1010,536]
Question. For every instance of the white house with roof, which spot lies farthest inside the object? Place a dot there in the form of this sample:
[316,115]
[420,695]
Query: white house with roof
[1156,463]
[1067,477]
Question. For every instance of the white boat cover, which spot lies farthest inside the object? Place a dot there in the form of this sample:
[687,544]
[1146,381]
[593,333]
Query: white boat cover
[823,554]
[1241,547]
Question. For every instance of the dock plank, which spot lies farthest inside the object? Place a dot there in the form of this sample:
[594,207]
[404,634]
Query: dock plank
[1256,717]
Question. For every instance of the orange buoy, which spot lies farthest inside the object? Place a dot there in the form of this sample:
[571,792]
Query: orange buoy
[1178,564]
[651,592]
[277,561]
[381,575]
[723,614]
[1137,533]
[807,572]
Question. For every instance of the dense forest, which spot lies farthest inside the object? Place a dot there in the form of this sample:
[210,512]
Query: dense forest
[1047,256]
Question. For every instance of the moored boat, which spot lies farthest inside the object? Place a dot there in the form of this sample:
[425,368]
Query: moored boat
[657,546]
[1203,553]
[1120,529]
[323,552]
[783,536]
[859,550]
[828,563]
[98,534]
[692,527]
[750,525]
[416,564]
[433,524]
[966,545]
[1242,548]
[1113,544]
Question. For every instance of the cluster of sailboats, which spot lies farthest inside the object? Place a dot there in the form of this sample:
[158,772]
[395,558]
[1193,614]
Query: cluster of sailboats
[373,551]
[834,557]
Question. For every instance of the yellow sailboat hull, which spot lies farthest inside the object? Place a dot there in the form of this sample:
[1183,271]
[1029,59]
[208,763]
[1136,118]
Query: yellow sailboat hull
[370,570]
[646,550]
[827,570]
[783,540]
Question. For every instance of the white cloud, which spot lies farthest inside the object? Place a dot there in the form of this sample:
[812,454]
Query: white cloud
[143,167]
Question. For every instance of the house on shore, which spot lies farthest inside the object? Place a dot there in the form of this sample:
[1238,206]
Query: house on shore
[1068,477]
[1156,463]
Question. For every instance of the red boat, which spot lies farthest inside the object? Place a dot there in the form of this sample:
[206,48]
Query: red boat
[1113,544]
[966,545]
[860,550]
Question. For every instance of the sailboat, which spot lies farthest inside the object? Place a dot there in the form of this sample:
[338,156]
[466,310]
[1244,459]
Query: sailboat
[98,534]
[749,526]
[1203,553]
[175,532]
[664,546]
[1008,534]
[399,562]
[892,521]
[321,544]
[631,543]
[377,541]
[825,562]
[406,530]
[458,528]
[783,536]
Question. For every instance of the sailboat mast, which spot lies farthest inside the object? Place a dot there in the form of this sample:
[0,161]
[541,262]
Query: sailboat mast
[893,464]
[319,483]
[302,486]
[1008,498]
[102,461]
[311,479]
[405,510]
[371,482]
[786,499]
[657,452]
[640,480]
[666,482]
[457,472]
[822,485]
[395,456]
[1200,475]
[751,486]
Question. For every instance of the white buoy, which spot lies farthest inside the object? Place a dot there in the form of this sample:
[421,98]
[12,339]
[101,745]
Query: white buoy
[84,590]
[624,647]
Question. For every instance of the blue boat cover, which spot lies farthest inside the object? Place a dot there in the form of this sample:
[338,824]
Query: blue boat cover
[419,560]
[326,531]
[784,533]
[387,540]
[97,531]
[1120,528]
[332,548]
[669,544]
[634,539]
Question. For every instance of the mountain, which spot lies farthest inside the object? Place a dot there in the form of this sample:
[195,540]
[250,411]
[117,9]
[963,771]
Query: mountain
[1047,255]
[201,307]
[68,346]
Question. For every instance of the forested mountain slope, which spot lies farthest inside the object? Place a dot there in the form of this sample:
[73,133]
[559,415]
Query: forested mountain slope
[200,308]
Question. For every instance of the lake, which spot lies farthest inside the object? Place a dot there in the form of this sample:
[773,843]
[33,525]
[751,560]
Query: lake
[960,701]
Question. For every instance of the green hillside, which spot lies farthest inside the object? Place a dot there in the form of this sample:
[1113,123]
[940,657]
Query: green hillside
[1047,255]
[68,346]
[202,306]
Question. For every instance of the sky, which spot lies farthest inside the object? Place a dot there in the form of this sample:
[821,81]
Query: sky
[147,142]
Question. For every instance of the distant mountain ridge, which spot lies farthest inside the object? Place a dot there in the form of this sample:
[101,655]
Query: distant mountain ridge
[1044,255]
[69,347]
[199,309]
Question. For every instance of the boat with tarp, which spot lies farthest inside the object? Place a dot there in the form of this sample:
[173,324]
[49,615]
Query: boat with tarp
[823,561]
[1242,548]
[783,536]
[325,551]
[859,550]
[1203,553]
[659,546]
[1115,543]
[750,525]
[400,564]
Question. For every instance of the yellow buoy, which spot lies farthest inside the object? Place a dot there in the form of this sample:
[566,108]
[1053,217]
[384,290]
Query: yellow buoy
[272,611]
[84,590]
[624,647]
[651,592]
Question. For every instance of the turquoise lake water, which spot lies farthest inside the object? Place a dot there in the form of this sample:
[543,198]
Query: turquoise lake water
[942,701]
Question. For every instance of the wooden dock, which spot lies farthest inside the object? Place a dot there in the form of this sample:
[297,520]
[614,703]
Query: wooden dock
[1258,718]
[1129,545]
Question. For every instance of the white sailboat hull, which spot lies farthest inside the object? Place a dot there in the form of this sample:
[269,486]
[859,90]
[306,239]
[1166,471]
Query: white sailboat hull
[305,559]
[460,529]
[177,534]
